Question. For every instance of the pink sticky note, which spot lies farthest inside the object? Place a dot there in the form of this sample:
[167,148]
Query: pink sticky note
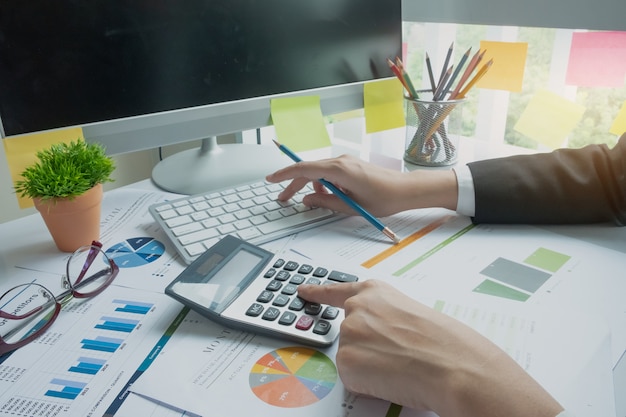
[597,59]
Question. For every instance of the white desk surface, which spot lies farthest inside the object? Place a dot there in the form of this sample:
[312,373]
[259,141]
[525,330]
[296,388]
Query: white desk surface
[28,235]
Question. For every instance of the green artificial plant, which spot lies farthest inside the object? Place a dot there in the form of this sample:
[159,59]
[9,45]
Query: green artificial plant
[66,170]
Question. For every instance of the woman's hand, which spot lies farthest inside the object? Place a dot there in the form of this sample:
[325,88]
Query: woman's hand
[378,190]
[395,348]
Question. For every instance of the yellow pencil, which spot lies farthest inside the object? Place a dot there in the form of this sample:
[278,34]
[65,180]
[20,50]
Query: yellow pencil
[474,80]
[478,56]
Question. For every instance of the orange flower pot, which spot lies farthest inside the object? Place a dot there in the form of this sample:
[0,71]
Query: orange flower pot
[72,222]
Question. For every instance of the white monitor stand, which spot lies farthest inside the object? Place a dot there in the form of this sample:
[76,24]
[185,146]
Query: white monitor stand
[214,166]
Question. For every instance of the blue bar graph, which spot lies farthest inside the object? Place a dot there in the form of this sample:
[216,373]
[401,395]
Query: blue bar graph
[133,306]
[89,366]
[117,324]
[103,344]
[70,389]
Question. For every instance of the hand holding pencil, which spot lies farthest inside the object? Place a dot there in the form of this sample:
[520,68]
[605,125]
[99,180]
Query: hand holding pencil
[350,202]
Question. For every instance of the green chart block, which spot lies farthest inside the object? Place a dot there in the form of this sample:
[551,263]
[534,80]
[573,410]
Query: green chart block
[547,259]
[493,288]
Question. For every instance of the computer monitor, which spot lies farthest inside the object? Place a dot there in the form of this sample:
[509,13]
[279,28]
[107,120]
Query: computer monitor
[141,74]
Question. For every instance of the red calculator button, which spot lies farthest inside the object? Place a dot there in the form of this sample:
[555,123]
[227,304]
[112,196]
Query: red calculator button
[304,323]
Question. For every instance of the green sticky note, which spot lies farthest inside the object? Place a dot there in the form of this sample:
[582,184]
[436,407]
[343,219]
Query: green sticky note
[299,123]
[383,101]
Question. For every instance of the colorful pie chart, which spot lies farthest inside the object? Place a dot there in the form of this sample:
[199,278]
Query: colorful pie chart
[136,251]
[293,377]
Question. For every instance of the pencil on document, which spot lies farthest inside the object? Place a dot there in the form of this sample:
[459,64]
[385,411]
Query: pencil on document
[350,202]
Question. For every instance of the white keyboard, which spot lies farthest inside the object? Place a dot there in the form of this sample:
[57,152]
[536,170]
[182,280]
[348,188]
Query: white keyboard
[248,211]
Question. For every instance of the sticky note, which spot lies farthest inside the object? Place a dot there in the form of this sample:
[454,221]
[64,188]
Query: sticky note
[597,59]
[21,152]
[299,122]
[509,62]
[619,124]
[383,105]
[549,118]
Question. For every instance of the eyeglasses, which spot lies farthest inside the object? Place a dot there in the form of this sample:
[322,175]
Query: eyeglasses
[28,310]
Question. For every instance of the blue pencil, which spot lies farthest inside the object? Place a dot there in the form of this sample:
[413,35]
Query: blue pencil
[353,204]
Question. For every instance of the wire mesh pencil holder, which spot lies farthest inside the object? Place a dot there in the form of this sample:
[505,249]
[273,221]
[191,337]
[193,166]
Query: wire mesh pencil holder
[428,141]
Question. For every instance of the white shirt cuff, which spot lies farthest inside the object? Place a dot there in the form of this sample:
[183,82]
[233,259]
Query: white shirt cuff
[466,203]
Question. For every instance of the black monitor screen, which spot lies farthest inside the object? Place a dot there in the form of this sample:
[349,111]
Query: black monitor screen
[73,62]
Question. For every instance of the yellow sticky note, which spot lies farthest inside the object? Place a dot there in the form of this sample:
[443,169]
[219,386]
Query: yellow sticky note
[21,152]
[509,62]
[299,123]
[619,124]
[549,118]
[382,101]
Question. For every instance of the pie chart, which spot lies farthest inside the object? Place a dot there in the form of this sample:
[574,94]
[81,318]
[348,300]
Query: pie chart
[136,251]
[293,377]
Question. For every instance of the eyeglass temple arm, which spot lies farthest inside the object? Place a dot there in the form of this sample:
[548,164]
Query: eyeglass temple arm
[90,258]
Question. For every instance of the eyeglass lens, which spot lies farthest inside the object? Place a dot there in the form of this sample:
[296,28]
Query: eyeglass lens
[89,270]
[27,310]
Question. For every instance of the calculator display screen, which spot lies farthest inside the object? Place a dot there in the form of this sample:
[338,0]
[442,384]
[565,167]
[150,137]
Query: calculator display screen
[217,280]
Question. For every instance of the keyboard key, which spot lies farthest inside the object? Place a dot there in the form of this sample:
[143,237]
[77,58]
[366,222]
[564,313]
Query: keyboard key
[295,220]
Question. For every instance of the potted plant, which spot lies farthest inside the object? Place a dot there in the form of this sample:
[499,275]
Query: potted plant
[65,184]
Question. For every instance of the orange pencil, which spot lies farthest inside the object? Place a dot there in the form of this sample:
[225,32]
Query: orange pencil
[478,56]
[477,77]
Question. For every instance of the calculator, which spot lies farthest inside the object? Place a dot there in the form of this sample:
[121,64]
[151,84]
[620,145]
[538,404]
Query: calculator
[244,286]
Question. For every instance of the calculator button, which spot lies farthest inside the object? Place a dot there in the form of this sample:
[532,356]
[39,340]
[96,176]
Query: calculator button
[281,300]
[274,285]
[289,289]
[265,297]
[287,318]
[320,272]
[322,327]
[283,275]
[312,308]
[279,263]
[254,310]
[291,266]
[304,323]
[271,314]
[313,281]
[305,269]
[270,273]
[297,304]
[342,277]
[330,313]
[297,279]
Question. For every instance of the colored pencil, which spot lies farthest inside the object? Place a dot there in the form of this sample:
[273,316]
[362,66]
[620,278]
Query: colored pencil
[454,75]
[478,56]
[481,72]
[431,77]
